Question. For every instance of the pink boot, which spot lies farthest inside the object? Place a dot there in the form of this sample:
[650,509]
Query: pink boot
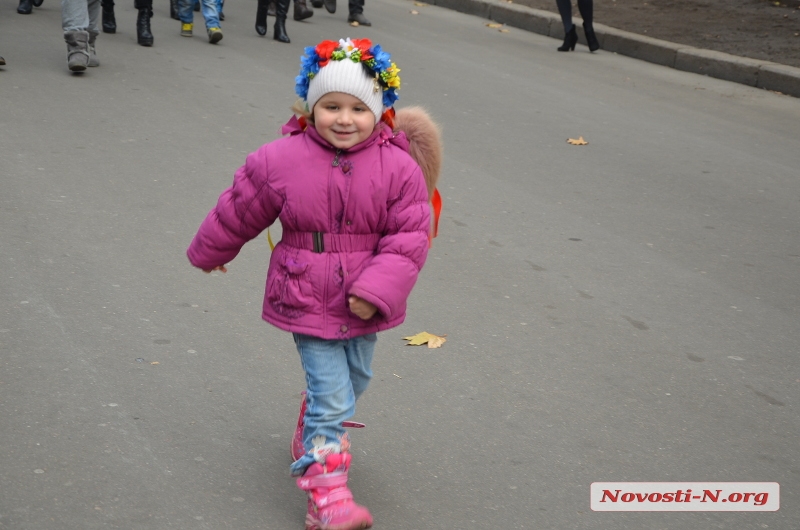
[297,440]
[330,502]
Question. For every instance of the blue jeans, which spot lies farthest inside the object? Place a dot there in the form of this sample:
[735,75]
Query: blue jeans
[337,373]
[207,7]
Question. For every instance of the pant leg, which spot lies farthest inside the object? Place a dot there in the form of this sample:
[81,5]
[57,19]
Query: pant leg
[210,14]
[360,351]
[74,15]
[565,10]
[186,11]
[94,8]
[142,4]
[586,7]
[355,6]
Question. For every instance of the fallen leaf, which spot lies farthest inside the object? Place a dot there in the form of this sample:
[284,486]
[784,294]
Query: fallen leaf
[414,12]
[354,23]
[397,376]
[421,4]
[433,341]
[155,362]
[436,342]
[579,141]
[492,25]
[504,30]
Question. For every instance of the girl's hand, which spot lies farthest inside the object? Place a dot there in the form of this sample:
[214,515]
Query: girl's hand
[361,308]
[221,268]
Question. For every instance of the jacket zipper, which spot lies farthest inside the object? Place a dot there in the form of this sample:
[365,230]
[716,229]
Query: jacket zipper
[336,158]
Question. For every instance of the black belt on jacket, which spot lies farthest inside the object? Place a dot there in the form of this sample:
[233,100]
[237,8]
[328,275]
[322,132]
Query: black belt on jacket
[322,242]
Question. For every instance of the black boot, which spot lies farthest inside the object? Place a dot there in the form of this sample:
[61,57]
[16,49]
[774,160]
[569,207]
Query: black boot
[591,38]
[25,7]
[109,21]
[301,10]
[143,35]
[173,10]
[316,3]
[261,17]
[330,5]
[281,10]
[570,39]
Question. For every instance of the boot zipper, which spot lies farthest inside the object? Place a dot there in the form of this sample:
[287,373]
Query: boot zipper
[336,158]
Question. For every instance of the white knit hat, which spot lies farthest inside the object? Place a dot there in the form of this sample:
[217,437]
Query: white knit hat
[347,77]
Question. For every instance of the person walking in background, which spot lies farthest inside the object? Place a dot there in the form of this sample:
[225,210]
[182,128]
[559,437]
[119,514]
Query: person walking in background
[356,8]
[301,10]
[353,204]
[280,12]
[210,14]
[570,33]
[26,6]
[144,36]
[79,21]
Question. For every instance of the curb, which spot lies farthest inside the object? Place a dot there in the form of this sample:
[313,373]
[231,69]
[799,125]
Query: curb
[752,72]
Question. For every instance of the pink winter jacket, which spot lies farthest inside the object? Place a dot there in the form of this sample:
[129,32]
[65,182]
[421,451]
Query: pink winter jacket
[354,221]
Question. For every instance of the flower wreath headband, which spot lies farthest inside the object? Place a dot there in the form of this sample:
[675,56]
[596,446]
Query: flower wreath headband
[358,51]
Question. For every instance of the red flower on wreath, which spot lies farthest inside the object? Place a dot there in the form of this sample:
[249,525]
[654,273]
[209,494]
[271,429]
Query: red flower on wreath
[364,45]
[324,49]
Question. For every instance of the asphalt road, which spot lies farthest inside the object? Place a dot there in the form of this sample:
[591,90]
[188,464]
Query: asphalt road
[625,310]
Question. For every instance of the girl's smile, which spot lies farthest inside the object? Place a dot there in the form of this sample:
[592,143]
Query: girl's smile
[343,120]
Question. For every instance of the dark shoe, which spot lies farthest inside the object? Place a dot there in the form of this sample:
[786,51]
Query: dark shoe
[281,10]
[280,31]
[37,3]
[25,7]
[301,10]
[570,39]
[316,3]
[271,9]
[143,35]
[173,10]
[330,5]
[358,19]
[109,21]
[591,38]
[261,18]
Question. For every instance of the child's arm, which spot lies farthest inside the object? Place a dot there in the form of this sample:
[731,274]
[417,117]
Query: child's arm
[387,280]
[243,211]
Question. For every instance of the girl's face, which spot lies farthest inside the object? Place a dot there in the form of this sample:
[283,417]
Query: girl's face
[343,120]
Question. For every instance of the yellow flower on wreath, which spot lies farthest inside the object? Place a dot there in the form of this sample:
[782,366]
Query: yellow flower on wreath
[391,77]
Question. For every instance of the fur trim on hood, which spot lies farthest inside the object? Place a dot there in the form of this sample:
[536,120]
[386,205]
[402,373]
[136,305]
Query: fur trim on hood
[425,142]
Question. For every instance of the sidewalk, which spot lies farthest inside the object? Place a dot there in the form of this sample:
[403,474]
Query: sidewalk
[752,72]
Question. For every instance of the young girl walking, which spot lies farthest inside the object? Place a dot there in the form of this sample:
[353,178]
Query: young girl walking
[352,191]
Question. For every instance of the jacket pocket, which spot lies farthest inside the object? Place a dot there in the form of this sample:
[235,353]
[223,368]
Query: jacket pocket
[290,290]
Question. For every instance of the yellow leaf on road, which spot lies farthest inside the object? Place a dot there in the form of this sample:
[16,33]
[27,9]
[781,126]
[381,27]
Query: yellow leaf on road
[421,4]
[492,25]
[436,342]
[579,141]
[414,12]
[433,341]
